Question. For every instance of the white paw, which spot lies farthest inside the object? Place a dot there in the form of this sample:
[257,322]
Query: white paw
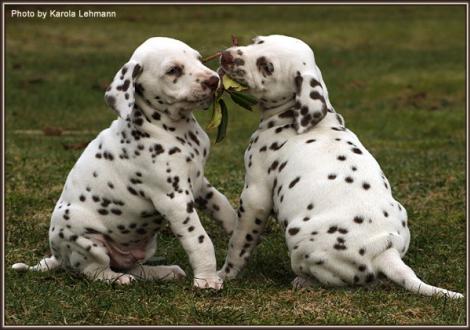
[125,279]
[222,274]
[452,295]
[209,283]
[226,276]
[301,282]
[20,267]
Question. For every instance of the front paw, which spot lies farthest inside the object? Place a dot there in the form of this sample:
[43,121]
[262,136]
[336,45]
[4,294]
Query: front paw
[301,282]
[124,279]
[227,273]
[215,282]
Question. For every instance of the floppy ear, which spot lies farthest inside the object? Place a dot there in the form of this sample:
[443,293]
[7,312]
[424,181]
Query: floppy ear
[310,105]
[120,94]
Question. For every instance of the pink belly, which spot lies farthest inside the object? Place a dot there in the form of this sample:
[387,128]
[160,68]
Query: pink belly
[122,257]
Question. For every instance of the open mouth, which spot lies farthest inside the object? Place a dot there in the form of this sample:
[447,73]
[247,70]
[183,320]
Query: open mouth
[224,71]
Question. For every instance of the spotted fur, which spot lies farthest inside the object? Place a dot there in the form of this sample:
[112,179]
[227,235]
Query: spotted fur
[145,170]
[342,224]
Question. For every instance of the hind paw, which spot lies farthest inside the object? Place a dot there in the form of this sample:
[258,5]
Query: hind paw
[20,267]
[301,282]
[124,279]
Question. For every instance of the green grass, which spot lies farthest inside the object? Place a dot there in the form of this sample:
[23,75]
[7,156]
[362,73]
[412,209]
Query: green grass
[397,75]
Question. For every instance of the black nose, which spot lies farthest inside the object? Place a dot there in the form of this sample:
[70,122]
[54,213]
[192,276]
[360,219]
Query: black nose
[211,83]
[226,58]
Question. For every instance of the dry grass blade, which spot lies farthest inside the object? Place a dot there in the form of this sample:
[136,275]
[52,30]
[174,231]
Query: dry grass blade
[234,40]
[210,58]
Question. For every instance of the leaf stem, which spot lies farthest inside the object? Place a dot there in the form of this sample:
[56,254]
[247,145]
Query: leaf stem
[210,58]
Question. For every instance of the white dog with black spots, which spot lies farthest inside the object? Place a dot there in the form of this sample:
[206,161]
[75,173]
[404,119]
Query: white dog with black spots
[342,224]
[147,168]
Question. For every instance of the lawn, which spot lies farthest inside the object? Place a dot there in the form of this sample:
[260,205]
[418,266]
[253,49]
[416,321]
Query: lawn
[396,74]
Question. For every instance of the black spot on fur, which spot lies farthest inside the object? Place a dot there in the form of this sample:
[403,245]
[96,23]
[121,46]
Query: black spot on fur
[281,167]
[137,69]
[357,151]
[116,211]
[293,231]
[358,219]
[190,207]
[294,182]
[275,146]
[103,211]
[132,190]
[298,83]
[338,246]
[174,150]
[332,229]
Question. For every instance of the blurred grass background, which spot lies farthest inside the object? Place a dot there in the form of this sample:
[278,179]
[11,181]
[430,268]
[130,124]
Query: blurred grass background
[397,75]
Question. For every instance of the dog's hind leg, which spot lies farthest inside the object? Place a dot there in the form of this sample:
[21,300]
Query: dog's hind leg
[100,272]
[46,264]
[164,273]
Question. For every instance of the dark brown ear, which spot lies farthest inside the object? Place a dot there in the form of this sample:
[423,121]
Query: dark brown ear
[310,106]
[120,94]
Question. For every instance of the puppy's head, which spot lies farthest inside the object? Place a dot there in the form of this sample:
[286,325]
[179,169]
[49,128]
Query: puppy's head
[167,75]
[278,69]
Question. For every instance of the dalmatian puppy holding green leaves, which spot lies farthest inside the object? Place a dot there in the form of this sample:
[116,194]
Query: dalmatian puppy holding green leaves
[146,169]
[342,224]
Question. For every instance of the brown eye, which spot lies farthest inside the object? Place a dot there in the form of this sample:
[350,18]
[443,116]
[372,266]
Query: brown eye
[174,71]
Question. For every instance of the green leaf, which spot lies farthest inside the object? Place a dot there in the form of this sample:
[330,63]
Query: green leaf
[231,84]
[247,97]
[222,129]
[216,116]
[244,103]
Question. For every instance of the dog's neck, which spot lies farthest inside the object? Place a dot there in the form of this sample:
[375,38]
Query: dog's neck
[170,111]
[271,111]
[145,116]
[283,115]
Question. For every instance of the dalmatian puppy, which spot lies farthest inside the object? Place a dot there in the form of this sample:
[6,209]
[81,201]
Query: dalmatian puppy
[147,168]
[342,225]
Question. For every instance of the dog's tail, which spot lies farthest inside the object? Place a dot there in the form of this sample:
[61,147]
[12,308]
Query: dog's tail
[390,263]
[46,264]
